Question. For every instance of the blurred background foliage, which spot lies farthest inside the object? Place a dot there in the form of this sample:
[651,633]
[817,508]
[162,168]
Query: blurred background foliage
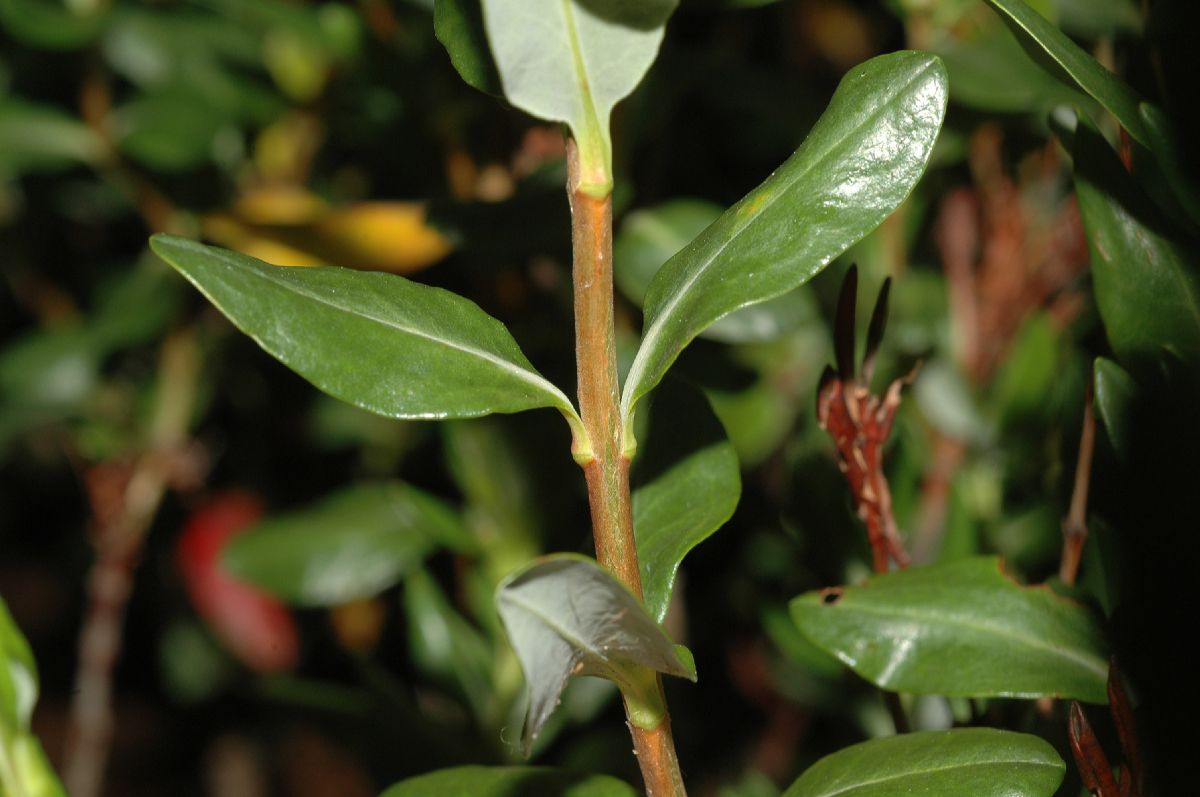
[338,132]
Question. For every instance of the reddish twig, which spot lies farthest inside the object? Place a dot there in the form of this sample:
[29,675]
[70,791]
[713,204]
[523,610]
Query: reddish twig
[1094,768]
[860,423]
[1121,709]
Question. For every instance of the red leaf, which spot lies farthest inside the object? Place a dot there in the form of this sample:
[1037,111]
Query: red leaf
[253,626]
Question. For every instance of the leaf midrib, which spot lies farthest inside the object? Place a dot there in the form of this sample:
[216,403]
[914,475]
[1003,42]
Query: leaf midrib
[264,272]
[664,314]
[933,770]
[953,620]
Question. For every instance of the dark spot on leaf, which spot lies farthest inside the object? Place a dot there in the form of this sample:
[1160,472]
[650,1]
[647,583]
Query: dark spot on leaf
[831,596]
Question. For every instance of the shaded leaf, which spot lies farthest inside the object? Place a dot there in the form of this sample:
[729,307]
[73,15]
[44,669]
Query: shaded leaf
[378,341]
[572,60]
[350,545]
[565,615]
[692,485]
[1071,64]
[1116,395]
[53,24]
[444,645]
[1093,19]
[40,138]
[458,25]
[651,236]
[961,629]
[981,762]
[859,162]
[510,782]
[1146,275]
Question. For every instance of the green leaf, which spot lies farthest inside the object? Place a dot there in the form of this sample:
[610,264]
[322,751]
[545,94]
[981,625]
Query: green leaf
[981,762]
[649,237]
[572,60]
[444,645]
[1093,19]
[41,138]
[1146,275]
[458,25]
[861,159]
[1071,64]
[350,545]
[691,487]
[31,769]
[1115,397]
[565,615]
[18,676]
[510,782]
[377,341]
[961,629]
[53,24]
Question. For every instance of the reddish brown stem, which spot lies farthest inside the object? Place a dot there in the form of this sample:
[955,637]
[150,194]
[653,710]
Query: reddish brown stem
[119,532]
[604,465]
[1075,531]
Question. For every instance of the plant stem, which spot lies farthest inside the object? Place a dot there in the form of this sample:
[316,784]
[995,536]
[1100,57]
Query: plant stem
[1075,530]
[607,469]
[119,535]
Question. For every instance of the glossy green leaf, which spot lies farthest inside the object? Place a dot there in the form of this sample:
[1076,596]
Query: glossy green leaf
[651,236]
[458,25]
[510,782]
[691,487]
[39,138]
[1072,64]
[981,762]
[29,767]
[861,159]
[1146,274]
[959,629]
[1115,395]
[378,341]
[351,545]
[566,615]
[572,60]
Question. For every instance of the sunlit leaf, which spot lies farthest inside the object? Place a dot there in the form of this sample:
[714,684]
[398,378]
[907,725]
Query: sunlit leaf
[1146,273]
[378,341]
[350,545]
[292,227]
[571,61]
[859,162]
[691,487]
[981,762]
[565,615]
[960,629]
[18,675]
[510,782]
